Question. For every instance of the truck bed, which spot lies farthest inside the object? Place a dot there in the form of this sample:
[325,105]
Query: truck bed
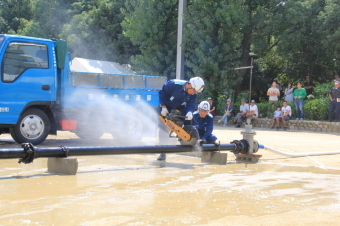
[85,87]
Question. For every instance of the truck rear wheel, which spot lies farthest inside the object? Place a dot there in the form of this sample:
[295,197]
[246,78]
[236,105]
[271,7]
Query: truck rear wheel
[33,127]
[89,132]
[131,131]
[134,129]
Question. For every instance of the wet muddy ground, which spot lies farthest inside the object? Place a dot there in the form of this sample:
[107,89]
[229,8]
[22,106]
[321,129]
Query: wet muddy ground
[138,190]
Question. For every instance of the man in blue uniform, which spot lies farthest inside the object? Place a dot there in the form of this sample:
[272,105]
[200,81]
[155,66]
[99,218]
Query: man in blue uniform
[204,122]
[180,95]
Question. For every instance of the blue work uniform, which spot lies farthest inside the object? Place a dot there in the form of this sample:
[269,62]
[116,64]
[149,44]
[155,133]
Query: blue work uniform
[174,96]
[204,126]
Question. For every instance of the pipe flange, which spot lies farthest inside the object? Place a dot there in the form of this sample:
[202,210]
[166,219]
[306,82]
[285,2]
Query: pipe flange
[255,146]
[29,150]
[241,146]
[244,146]
[65,150]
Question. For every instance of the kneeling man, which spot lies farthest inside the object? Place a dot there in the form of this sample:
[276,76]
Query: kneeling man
[204,123]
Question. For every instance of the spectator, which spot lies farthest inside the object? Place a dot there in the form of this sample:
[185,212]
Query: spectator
[277,114]
[244,108]
[299,95]
[228,112]
[336,77]
[286,114]
[334,96]
[289,93]
[273,94]
[253,110]
[309,85]
[212,106]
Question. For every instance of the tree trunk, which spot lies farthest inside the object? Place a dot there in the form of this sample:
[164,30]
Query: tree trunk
[244,60]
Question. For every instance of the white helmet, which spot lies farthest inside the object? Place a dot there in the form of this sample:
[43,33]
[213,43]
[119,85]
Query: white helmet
[197,83]
[204,106]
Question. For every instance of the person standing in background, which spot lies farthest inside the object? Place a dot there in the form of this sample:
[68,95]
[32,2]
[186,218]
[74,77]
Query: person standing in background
[299,95]
[289,93]
[334,105]
[309,85]
[336,77]
[274,94]
[212,106]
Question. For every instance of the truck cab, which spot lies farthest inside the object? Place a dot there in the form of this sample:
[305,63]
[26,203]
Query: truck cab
[39,95]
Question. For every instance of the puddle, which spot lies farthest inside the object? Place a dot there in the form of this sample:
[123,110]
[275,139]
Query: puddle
[134,190]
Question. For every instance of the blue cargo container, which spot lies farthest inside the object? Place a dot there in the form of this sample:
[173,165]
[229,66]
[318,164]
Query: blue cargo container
[39,95]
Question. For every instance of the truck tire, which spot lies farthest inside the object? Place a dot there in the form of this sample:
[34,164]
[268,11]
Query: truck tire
[88,132]
[33,127]
[134,129]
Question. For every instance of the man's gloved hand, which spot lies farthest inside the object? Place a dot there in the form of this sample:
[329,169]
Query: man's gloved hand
[201,142]
[164,112]
[188,116]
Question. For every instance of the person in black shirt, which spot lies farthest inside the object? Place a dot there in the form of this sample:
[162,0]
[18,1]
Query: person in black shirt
[334,96]
[309,85]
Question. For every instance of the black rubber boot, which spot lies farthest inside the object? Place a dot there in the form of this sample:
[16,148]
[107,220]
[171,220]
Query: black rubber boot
[162,157]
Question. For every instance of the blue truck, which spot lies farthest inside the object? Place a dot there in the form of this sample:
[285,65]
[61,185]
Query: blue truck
[40,95]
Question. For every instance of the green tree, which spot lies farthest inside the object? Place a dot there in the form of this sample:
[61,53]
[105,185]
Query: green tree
[13,14]
[293,35]
[213,43]
[331,39]
[96,32]
[152,26]
[49,17]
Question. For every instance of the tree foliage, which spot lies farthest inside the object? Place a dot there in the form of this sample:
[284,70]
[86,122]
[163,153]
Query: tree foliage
[152,26]
[95,31]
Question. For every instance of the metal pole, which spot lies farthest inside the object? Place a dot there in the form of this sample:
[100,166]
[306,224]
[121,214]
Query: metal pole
[251,75]
[182,4]
[248,133]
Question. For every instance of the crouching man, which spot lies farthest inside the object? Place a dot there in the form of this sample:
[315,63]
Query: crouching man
[204,123]
[180,95]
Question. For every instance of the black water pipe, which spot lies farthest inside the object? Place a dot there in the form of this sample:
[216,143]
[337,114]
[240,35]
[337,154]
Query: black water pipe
[45,152]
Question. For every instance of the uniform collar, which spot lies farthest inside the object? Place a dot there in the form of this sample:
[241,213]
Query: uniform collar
[184,86]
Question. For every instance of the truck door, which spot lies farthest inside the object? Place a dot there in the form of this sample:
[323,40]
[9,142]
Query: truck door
[27,77]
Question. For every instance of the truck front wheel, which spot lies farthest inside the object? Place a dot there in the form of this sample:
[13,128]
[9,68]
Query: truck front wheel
[33,127]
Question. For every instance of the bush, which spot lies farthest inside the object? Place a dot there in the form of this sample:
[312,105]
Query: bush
[322,90]
[316,109]
[263,107]
[221,102]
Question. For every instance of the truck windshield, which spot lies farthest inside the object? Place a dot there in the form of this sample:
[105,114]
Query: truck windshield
[2,38]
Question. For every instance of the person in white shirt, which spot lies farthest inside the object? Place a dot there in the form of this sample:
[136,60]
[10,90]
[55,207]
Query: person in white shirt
[286,114]
[253,110]
[274,94]
[244,108]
